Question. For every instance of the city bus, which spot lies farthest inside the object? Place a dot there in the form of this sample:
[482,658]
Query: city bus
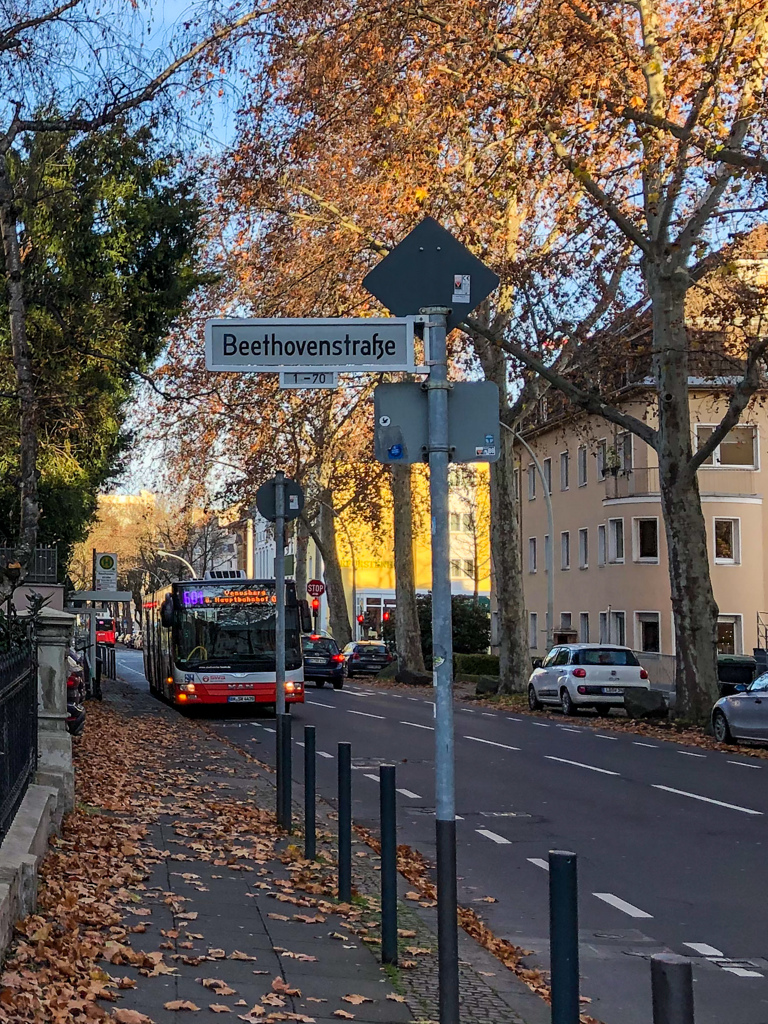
[212,641]
[105,631]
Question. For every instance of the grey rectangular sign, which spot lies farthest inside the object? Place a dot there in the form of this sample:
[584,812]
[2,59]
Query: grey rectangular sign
[401,427]
[351,345]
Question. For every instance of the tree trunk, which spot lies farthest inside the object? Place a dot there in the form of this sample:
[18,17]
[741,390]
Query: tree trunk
[693,603]
[407,632]
[334,584]
[22,365]
[301,544]
[514,653]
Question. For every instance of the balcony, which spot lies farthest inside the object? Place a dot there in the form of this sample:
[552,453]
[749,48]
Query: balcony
[644,482]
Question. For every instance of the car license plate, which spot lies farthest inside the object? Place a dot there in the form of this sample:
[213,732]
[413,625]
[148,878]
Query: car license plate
[613,689]
[315,661]
[242,699]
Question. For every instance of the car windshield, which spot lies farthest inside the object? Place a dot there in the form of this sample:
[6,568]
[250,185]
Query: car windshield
[372,649]
[605,656]
[104,624]
[319,644]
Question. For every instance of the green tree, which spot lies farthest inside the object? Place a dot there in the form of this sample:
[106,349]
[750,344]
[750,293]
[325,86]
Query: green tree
[109,246]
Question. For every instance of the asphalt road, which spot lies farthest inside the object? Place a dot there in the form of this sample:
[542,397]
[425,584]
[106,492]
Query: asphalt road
[672,840]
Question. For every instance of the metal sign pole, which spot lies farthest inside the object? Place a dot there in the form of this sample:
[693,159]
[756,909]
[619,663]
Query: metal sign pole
[442,662]
[280,590]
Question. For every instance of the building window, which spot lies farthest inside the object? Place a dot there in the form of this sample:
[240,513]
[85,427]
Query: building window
[533,630]
[516,484]
[624,451]
[615,540]
[727,542]
[532,555]
[565,550]
[601,544]
[603,628]
[582,465]
[547,467]
[547,553]
[646,540]
[584,627]
[738,449]
[648,631]
[531,482]
[462,568]
[617,629]
[602,451]
[461,522]
[565,470]
[729,634]
[583,548]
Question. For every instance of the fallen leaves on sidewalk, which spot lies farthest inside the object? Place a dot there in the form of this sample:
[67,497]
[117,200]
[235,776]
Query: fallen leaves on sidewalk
[181,1004]
[355,999]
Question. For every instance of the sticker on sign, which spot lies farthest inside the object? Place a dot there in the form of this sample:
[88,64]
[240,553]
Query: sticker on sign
[356,344]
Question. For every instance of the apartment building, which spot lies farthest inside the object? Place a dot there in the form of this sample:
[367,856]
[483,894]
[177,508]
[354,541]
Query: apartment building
[608,545]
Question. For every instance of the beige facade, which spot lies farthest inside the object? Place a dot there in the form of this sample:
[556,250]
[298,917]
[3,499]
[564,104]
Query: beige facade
[610,562]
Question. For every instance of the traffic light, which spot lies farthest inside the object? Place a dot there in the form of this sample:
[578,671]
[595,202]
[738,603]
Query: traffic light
[385,616]
[361,619]
[315,605]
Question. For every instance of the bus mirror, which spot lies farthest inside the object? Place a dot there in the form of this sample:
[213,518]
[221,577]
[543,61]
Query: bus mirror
[166,612]
[306,616]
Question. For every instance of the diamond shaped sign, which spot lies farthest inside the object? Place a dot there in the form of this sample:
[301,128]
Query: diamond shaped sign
[431,268]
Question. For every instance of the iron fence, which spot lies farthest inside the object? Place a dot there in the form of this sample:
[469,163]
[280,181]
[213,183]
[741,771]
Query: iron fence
[18,730]
[42,569]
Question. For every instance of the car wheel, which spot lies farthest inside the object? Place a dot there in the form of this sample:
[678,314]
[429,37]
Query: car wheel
[566,703]
[721,728]
[603,712]
[533,701]
[338,684]
[319,683]
[350,673]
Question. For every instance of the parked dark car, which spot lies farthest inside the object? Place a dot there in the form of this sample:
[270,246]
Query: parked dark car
[366,657]
[323,662]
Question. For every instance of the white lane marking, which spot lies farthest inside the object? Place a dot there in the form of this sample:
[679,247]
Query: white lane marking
[365,714]
[619,904]
[414,698]
[539,863]
[601,736]
[458,817]
[509,718]
[578,764]
[542,725]
[469,711]
[566,729]
[374,777]
[493,835]
[651,746]
[298,743]
[744,764]
[703,948]
[358,693]
[409,794]
[709,800]
[741,972]
[317,704]
[491,743]
[489,714]
[415,725]
[688,753]
[322,753]
[267,729]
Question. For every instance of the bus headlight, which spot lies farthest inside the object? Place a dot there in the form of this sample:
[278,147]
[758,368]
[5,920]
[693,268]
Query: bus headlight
[188,687]
[290,687]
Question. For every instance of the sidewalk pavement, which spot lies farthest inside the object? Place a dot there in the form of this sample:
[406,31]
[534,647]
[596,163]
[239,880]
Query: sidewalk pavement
[214,914]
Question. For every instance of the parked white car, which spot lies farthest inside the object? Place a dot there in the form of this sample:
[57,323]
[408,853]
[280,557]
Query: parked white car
[577,676]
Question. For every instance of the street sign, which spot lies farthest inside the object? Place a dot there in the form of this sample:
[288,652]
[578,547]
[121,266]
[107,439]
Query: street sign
[355,344]
[106,572]
[315,588]
[266,504]
[401,422]
[310,379]
[431,268]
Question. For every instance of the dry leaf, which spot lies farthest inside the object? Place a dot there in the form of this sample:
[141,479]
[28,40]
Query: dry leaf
[278,985]
[344,1014]
[416,950]
[406,933]
[219,1008]
[486,899]
[304,957]
[131,1017]
[355,999]
[181,1004]
[278,917]
[216,954]
[237,955]
[395,998]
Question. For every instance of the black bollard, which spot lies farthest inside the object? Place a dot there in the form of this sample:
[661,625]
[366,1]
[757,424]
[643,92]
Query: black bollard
[388,815]
[279,769]
[672,989]
[310,830]
[286,772]
[564,937]
[345,822]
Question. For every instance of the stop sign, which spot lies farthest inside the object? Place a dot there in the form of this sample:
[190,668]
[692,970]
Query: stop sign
[315,588]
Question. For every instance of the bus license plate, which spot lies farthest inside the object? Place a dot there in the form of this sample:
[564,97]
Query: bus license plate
[612,689]
[241,700]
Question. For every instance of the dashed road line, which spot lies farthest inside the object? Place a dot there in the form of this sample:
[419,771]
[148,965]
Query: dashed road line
[374,778]
[565,728]
[494,836]
[745,764]
[322,753]
[469,711]
[651,746]
[740,972]
[709,800]
[489,714]
[602,736]
[579,764]
[317,704]
[365,714]
[409,794]
[620,904]
[542,725]
[539,862]
[703,948]
[415,725]
[688,753]
[267,729]
[491,743]
[417,699]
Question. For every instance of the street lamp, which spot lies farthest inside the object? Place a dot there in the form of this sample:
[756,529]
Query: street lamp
[170,554]
[551,526]
[336,515]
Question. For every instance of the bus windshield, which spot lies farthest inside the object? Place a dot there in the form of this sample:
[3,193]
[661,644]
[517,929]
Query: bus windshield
[233,626]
